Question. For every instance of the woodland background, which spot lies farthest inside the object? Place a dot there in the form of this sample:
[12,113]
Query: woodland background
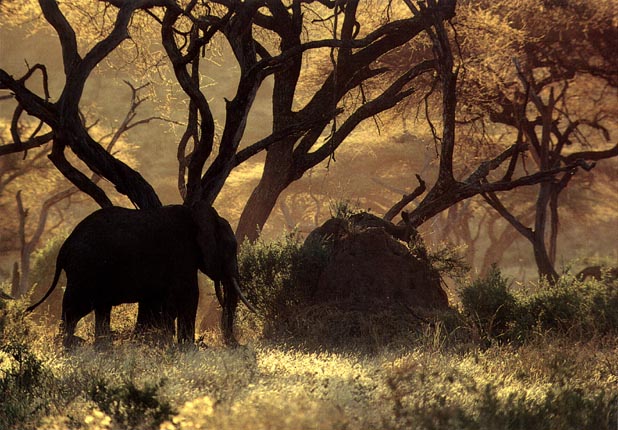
[492,124]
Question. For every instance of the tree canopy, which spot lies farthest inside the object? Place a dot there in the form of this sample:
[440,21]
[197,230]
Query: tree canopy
[503,94]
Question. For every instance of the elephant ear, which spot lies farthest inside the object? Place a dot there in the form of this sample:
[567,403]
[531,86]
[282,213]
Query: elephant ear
[206,220]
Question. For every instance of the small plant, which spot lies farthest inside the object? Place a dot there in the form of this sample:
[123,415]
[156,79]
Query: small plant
[131,406]
[344,209]
[25,385]
[490,305]
[448,261]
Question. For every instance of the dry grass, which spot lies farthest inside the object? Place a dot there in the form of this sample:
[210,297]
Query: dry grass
[328,368]
[550,382]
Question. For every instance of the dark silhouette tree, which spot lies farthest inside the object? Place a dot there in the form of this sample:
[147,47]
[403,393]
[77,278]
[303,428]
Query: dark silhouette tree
[271,38]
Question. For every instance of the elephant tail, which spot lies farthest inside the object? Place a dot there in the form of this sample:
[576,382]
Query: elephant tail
[218,292]
[51,289]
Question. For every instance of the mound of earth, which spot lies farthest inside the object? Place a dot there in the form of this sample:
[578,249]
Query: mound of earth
[368,263]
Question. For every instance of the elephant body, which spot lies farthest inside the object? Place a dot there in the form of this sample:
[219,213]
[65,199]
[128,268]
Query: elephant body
[150,256]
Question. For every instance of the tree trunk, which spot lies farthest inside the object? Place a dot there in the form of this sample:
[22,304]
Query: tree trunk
[543,262]
[15,281]
[541,255]
[277,176]
[259,206]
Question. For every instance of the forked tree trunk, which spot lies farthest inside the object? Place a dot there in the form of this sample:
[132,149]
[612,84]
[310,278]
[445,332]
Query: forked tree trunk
[543,262]
[541,254]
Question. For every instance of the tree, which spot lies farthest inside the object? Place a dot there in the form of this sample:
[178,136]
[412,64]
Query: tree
[552,99]
[360,44]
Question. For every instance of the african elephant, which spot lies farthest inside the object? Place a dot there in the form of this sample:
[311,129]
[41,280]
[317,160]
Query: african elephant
[149,256]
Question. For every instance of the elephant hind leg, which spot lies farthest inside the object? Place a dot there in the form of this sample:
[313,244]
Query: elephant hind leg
[187,313]
[186,326]
[155,323]
[102,331]
[73,310]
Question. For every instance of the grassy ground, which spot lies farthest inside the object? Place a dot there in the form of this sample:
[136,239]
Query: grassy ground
[550,382]
[546,359]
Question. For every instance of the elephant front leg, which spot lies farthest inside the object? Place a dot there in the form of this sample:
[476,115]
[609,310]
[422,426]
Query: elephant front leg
[230,302]
[102,330]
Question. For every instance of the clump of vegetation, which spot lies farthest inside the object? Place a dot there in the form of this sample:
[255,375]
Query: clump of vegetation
[26,385]
[489,305]
[279,277]
[129,405]
[570,307]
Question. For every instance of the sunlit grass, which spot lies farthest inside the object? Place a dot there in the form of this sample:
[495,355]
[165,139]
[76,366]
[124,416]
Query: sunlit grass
[447,374]
[267,386]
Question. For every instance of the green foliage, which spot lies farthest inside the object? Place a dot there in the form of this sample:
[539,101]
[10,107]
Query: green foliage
[25,385]
[581,309]
[44,261]
[129,405]
[489,304]
[279,276]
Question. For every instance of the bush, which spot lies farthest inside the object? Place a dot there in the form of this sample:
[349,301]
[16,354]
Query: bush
[130,406]
[580,309]
[25,385]
[490,305]
[279,277]
[587,308]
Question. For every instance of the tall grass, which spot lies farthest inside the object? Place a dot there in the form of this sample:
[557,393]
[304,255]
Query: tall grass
[500,360]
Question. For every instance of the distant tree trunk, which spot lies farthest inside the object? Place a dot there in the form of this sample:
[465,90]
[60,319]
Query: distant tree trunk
[543,262]
[15,280]
[258,208]
[541,255]
[498,245]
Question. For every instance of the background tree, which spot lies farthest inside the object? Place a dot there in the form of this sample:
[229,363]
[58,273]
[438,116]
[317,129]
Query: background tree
[331,66]
[554,97]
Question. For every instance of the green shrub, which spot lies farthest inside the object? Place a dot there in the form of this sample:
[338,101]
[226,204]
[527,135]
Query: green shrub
[280,276]
[579,308]
[25,385]
[554,307]
[603,305]
[130,406]
[490,305]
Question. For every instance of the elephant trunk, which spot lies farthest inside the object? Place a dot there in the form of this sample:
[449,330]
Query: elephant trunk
[231,295]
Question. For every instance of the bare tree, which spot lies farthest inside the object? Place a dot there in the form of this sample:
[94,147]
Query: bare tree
[62,117]
[270,38]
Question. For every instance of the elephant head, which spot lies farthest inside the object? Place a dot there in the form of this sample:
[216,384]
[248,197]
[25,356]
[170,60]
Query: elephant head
[219,262]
